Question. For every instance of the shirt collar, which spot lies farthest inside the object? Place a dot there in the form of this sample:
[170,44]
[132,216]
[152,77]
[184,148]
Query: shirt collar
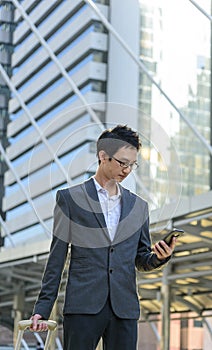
[99,188]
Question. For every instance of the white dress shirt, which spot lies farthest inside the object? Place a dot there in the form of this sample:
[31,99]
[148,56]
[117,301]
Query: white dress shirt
[111,207]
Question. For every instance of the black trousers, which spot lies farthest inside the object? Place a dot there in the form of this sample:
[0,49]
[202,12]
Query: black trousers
[83,332]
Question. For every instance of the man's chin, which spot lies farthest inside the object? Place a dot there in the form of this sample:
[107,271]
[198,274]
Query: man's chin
[120,178]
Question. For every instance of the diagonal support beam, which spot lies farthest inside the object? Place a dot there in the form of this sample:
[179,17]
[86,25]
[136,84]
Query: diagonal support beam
[190,305]
[145,70]
[197,310]
[38,338]
[33,122]
[155,331]
[24,343]
[10,165]
[201,10]
[6,230]
[205,321]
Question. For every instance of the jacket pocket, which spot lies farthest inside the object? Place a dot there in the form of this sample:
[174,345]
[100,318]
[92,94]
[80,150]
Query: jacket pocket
[79,262]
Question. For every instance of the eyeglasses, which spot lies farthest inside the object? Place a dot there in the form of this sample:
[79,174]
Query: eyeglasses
[133,166]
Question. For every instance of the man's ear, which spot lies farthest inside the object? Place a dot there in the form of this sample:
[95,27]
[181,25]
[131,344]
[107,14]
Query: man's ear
[102,155]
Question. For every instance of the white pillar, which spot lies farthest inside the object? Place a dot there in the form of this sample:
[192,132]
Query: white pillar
[18,310]
[123,72]
[165,310]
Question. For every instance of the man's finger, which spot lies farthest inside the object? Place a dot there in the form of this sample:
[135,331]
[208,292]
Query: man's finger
[173,243]
[35,326]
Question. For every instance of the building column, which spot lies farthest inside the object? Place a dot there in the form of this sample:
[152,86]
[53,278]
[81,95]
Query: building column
[18,310]
[6,49]
[165,310]
[123,72]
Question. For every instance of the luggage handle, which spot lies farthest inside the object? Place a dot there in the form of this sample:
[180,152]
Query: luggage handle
[24,324]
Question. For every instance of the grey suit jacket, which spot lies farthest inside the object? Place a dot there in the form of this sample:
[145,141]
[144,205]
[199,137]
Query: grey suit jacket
[98,267]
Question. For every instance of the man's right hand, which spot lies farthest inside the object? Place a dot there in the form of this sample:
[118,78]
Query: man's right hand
[35,327]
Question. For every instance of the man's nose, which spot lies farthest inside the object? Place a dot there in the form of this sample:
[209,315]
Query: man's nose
[127,170]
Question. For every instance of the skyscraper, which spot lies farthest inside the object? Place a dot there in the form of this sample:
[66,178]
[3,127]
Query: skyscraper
[64,72]
[178,58]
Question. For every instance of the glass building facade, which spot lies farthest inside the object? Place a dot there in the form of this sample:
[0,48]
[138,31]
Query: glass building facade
[177,54]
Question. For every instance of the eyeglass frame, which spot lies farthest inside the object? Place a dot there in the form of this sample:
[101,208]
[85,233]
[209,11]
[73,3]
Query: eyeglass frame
[124,165]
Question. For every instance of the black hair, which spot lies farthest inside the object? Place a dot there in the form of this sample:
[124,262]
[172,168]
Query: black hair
[111,140]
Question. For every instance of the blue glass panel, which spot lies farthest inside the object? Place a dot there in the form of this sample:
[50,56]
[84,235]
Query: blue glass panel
[25,158]
[31,234]
[39,73]
[16,115]
[28,39]
[20,210]
[22,134]
[68,23]
[52,113]
[46,92]
[44,69]
[81,64]
[35,53]
[76,41]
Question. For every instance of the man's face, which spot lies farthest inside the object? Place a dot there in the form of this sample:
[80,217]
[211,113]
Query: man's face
[114,169]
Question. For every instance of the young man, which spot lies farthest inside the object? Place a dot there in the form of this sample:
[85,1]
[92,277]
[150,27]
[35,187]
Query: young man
[107,227]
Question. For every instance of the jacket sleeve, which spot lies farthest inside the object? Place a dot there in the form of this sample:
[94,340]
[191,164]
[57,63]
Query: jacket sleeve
[146,260]
[56,260]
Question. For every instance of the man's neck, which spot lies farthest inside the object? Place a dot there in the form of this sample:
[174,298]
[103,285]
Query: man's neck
[109,185]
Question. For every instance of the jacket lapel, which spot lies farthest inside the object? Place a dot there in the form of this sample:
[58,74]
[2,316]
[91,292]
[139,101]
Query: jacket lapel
[93,201]
[127,204]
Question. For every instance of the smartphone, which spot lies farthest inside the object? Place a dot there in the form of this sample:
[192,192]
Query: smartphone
[174,233]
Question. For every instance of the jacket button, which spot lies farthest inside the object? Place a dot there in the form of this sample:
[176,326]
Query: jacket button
[111,249]
[111,270]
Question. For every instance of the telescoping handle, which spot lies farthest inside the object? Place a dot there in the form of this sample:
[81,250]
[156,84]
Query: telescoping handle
[24,324]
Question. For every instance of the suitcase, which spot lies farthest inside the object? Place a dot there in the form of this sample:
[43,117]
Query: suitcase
[24,324]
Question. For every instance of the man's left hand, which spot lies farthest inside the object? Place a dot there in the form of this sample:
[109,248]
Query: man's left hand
[162,250]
